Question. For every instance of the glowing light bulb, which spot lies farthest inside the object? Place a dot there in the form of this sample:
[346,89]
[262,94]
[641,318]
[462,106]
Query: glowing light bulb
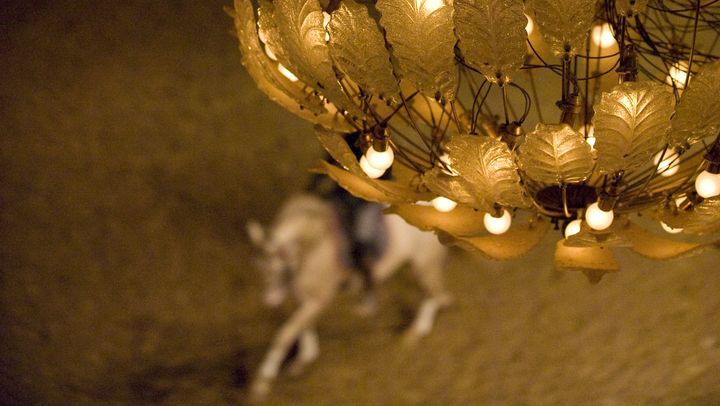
[677,74]
[291,76]
[707,184]
[497,225]
[380,160]
[669,229]
[429,6]
[590,137]
[371,171]
[326,21]
[602,36]
[530,25]
[443,204]
[447,169]
[597,218]
[573,228]
[669,165]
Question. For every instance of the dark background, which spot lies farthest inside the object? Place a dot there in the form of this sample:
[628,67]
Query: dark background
[133,148]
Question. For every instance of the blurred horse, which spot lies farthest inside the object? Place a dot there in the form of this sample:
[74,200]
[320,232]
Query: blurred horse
[305,252]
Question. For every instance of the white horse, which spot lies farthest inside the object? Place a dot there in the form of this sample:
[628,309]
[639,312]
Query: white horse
[303,253]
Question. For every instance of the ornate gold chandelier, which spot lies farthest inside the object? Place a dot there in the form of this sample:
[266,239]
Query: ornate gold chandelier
[450,94]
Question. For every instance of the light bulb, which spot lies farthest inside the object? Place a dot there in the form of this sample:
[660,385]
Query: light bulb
[669,165]
[443,204]
[428,6]
[597,218]
[590,136]
[707,184]
[678,74]
[326,21]
[529,26]
[291,76]
[380,160]
[447,169]
[497,225]
[573,228]
[670,229]
[602,36]
[371,171]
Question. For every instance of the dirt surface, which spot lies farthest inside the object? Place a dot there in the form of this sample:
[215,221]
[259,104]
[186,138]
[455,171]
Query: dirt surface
[133,149]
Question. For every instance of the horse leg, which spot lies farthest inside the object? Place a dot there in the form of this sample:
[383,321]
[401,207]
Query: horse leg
[309,351]
[300,320]
[429,272]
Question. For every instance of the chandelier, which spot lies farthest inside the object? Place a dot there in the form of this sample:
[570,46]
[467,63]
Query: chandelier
[454,96]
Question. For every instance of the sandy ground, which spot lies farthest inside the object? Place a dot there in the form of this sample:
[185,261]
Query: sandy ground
[134,148]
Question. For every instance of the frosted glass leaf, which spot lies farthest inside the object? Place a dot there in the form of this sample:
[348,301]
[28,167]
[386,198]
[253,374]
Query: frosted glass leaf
[358,48]
[464,227]
[610,237]
[702,219]
[555,153]
[492,36]
[653,246]
[564,24]
[463,221]
[516,242]
[594,262]
[270,81]
[630,124]
[630,8]
[335,144]
[304,51]
[374,190]
[422,39]
[489,166]
[454,188]
[698,113]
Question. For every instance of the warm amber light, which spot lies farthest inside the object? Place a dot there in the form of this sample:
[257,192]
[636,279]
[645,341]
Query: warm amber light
[602,36]
[669,229]
[530,25]
[443,204]
[707,184]
[291,76]
[497,225]
[573,228]
[429,6]
[597,218]
[677,74]
[669,165]
[370,170]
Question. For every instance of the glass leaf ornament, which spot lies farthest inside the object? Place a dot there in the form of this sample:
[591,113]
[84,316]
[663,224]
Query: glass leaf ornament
[703,218]
[372,190]
[464,227]
[420,33]
[454,188]
[492,36]
[489,166]
[304,50]
[630,124]
[353,179]
[358,49]
[594,262]
[461,222]
[516,242]
[564,24]
[270,81]
[610,237]
[698,113]
[630,7]
[555,153]
[653,246]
